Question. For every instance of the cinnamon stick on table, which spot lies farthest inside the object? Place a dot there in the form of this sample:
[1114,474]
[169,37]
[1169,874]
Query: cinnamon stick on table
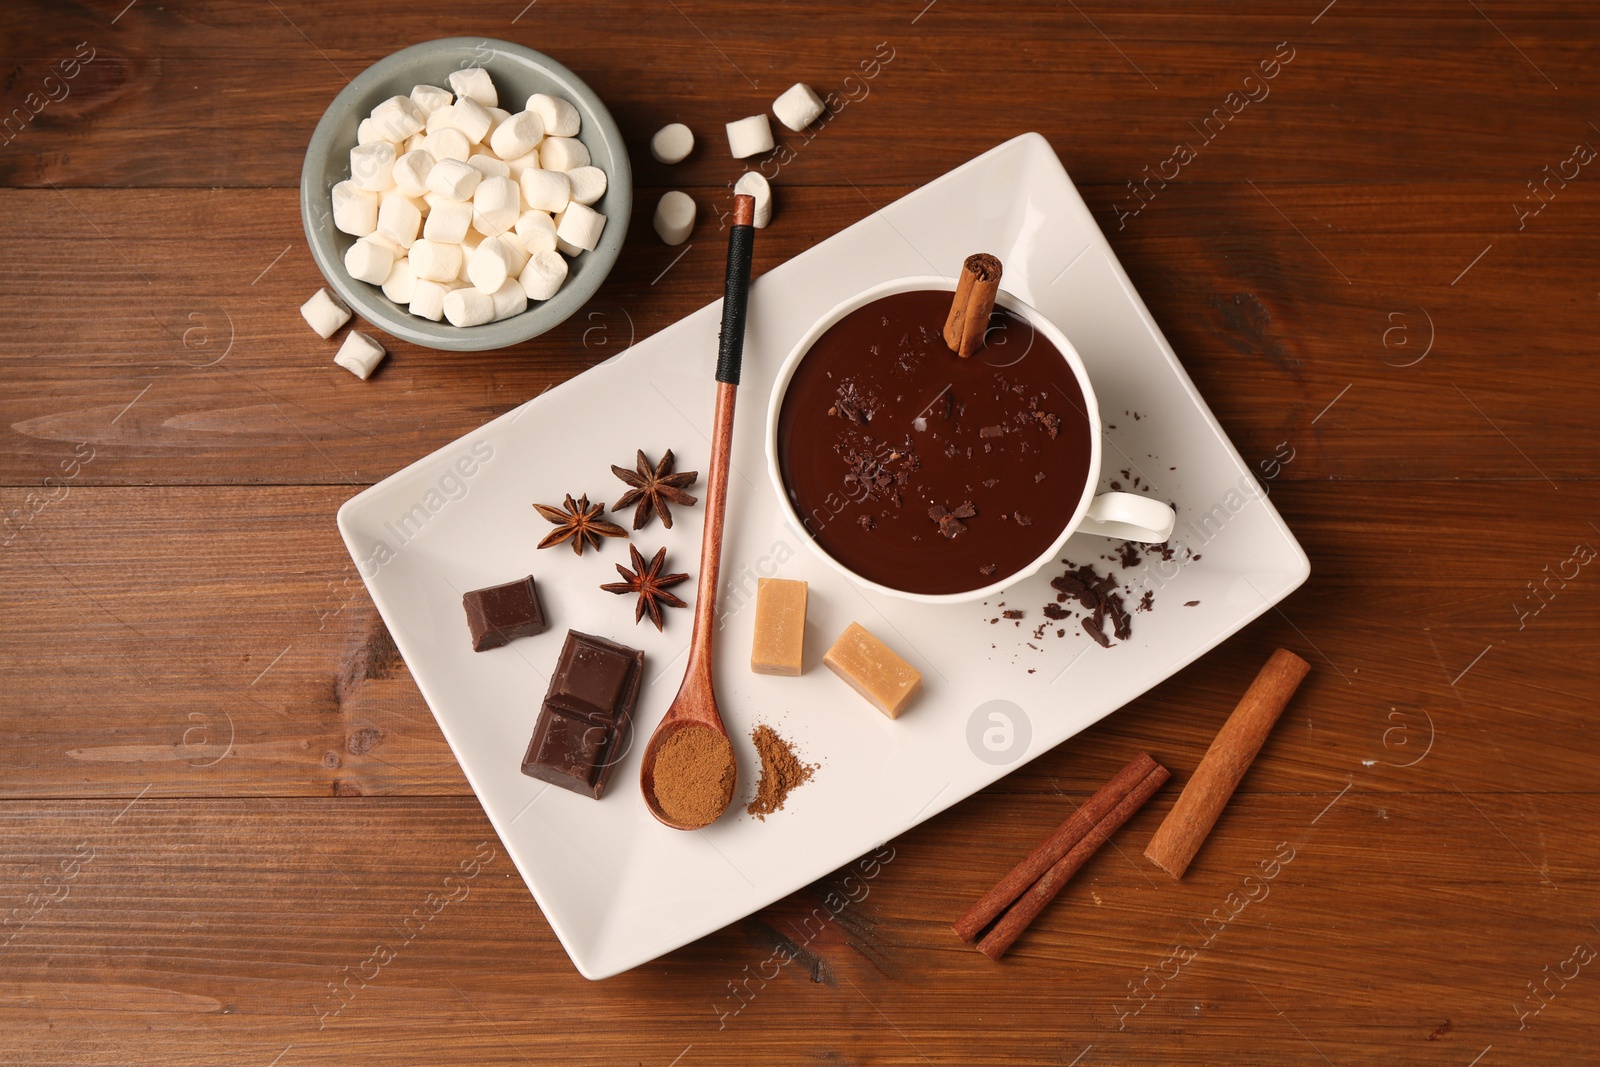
[1018,917]
[1224,764]
[1053,848]
[969,314]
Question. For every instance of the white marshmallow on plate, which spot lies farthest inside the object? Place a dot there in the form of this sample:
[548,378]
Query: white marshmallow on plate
[750,136]
[468,307]
[436,261]
[588,184]
[509,299]
[674,219]
[324,313]
[401,282]
[431,98]
[372,165]
[447,143]
[581,226]
[567,248]
[754,183]
[399,218]
[561,118]
[448,221]
[495,207]
[359,354]
[495,260]
[543,275]
[399,117]
[672,143]
[369,261]
[427,299]
[453,179]
[411,172]
[488,164]
[369,132]
[562,153]
[381,241]
[468,116]
[546,190]
[537,232]
[355,210]
[497,115]
[798,107]
[517,135]
[475,84]
[522,163]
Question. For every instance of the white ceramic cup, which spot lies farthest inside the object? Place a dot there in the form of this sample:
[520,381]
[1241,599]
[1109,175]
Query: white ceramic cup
[1124,516]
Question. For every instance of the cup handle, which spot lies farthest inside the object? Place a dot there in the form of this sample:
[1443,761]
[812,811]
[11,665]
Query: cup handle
[1128,517]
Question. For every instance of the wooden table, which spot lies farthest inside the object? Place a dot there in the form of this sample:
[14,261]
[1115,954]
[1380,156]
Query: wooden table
[225,802]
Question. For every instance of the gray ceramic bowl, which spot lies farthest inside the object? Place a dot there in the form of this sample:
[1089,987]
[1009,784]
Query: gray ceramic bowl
[518,73]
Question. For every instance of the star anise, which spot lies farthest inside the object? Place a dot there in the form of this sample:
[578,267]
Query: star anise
[653,489]
[578,522]
[649,583]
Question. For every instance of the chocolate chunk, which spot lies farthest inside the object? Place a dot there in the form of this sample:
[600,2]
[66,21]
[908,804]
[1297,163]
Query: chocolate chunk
[1129,555]
[1011,613]
[1094,631]
[1056,611]
[585,714]
[1191,603]
[499,614]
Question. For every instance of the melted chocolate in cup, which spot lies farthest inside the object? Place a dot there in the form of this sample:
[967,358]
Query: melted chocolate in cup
[923,471]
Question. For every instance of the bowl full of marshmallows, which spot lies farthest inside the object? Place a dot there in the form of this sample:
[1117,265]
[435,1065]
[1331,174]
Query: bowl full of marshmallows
[465,194]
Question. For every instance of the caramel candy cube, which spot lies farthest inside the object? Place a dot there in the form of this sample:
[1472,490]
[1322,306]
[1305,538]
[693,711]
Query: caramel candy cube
[780,626]
[874,670]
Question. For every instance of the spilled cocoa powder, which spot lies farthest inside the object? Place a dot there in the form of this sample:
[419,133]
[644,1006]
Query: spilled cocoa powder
[782,772]
[694,775]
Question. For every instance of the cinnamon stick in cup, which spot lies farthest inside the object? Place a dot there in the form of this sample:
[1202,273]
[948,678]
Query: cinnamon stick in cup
[1235,746]
[969,314]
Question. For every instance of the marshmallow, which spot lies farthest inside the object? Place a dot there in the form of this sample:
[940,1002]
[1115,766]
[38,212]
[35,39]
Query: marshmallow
[497,115]
[588,184]
[427,299]
[517,135]
[369,261]
[468,116]
[567,248]
[447,143]
[522,163]
[537,232]
[546,190]
[519,251]
[798,107]
[672,143]
[543,275]
[369,132]
[359,354]
[324,313]
[372,165]
[580,226]
[413,143]
[399,117]
[447,222]
[435,260]
[509,300]
[355,210]
[495,260]
[468,307]
[475,84]
[562,153]
[754,183]
[561,119]
[411,172]
[399,218]
[495,207]
[469,245]
[488,164]
[431,98]
[401,283]
[674,219]
[383,242]
[749,137]
[453,179]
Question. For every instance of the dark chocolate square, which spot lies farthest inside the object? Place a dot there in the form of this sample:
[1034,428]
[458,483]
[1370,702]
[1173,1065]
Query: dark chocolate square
[584,719]
[500,613]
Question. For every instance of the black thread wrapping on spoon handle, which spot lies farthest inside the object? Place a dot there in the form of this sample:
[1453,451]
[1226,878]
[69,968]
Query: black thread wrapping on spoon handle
[730,346]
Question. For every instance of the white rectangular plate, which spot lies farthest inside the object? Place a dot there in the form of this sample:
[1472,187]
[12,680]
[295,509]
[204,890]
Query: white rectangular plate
[618,888]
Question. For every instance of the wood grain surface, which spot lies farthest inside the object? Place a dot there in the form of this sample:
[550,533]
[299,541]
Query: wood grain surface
[222,795]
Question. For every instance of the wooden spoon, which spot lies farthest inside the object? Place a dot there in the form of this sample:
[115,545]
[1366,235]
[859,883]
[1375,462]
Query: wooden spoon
[695,706]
